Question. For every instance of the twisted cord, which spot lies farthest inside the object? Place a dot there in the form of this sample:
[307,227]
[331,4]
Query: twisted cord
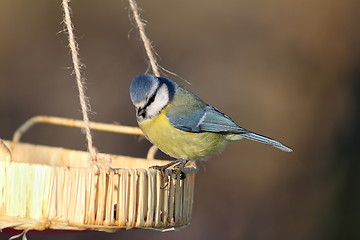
[84,102]
[147,44]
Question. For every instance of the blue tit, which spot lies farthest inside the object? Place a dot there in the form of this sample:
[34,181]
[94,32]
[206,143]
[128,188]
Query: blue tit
[182,125]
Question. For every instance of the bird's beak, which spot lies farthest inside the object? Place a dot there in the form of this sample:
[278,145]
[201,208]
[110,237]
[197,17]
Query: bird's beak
[140,111]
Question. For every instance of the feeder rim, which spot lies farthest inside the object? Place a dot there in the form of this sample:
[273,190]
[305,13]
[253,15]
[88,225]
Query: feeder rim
[69,122]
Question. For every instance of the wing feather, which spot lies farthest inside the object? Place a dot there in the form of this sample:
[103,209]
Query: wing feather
[207,119]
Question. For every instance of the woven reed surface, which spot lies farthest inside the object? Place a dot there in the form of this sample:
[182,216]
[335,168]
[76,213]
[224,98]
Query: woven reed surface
[48,187]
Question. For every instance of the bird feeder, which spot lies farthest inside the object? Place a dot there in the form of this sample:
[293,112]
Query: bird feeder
[44,187]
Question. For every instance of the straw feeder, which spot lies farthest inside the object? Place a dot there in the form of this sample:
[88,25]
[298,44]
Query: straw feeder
[43,187]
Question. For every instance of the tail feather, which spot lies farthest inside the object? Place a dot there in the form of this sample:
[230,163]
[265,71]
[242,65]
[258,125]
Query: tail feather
[266,140]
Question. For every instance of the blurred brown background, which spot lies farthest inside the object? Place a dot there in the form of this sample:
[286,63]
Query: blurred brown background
[286,69]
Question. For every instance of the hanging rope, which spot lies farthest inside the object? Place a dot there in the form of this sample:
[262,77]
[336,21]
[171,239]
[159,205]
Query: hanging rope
[148,48]
[147,44]
[84,102]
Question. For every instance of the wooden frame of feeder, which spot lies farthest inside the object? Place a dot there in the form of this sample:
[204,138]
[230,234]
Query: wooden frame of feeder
[50,187]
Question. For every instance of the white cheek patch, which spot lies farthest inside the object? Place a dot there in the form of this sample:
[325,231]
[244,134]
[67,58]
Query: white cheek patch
[161,100]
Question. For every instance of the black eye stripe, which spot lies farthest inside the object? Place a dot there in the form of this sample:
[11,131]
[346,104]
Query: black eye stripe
[142,111]
[152,98]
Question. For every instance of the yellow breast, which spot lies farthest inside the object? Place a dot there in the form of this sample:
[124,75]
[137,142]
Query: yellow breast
[180,144]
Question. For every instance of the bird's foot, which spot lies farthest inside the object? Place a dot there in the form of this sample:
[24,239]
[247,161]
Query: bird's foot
[179,164]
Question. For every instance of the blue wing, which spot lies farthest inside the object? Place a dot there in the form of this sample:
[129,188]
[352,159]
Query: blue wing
[207,119]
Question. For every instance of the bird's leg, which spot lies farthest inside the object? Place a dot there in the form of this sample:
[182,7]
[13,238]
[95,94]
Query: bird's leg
[180,163]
